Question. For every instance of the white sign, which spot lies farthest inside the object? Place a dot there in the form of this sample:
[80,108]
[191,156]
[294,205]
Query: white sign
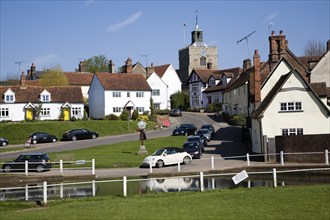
[80,162]
[240,177]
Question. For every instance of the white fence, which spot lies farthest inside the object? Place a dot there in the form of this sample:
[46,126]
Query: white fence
[45,187]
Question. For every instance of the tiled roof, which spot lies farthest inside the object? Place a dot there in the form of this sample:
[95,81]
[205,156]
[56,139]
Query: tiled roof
[79,78]
[320,89]
[160,70]
[216,88]
[123,81]
[59,94]
[238,81]
[204,74]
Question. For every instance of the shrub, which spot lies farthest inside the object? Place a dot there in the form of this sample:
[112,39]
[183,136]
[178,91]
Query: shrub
[135,115]
[162,112]
[143,117]
[111,117]
[210,108]
[237,120]
[124,115]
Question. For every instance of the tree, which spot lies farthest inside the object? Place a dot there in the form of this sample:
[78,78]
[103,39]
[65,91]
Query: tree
[314,48]
[54,77]
[97,64]
[180,100]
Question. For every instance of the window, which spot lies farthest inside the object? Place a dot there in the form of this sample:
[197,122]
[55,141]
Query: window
[116,109]
[195,100]
[4,112]
[140,109]
[155,92]
[45,98]
[128,94]
[292,131]
[291,106]
[76,111]
[9,98]
[212,82]
[157,106]
[116,94]
[45,112]
[140,94]
[194,87]
[203,61]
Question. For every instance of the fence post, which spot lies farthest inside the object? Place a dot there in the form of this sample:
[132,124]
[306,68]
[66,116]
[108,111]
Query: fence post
[150,167]
[282,158]
[201,178]
[212,162]
[248,159]
[326,157]
[45,192]
[124,186]
[61,167]
[61,190]
[26,192]
[94,188]
[179,168]
[93,166]
[26,168]
[274,177]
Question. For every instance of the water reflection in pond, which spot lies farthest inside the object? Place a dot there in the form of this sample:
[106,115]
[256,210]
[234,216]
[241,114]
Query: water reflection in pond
[144,186]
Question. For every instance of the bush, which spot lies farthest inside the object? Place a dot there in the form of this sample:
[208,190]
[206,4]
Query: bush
[111,117]
[124,115]
[162,112]
[237,120]
[210,108]
[135,115]
[143,117]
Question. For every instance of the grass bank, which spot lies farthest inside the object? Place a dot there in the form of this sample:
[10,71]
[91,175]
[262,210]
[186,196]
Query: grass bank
[299,202]
[17,133]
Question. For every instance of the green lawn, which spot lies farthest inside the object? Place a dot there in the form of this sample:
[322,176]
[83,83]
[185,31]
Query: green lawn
[299,202]
[17,133]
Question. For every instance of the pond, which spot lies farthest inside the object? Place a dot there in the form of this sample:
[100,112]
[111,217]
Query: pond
[155,185]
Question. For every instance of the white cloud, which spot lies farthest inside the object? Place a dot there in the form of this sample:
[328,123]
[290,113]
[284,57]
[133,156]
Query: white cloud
[124,23]
[44,60]
[271,16]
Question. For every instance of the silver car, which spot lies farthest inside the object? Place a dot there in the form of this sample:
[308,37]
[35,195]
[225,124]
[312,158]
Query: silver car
[206,133]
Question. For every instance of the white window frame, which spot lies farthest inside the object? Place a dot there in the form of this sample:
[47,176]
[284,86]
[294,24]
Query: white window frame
[4,112]
[116,94]
[292,131]
[116,109]
[155,92]
[139,94]
[195,87]
[294,106]
[140,109]
[76,111]
[45,112]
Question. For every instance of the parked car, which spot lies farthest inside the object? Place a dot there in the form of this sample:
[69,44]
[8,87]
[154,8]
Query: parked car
[206,133]
[199,139]
[167,156]
[185,129]
[41,137]
[209,127]
[175,112]
[36,162]
[194,148]
[3,142]
[79,134]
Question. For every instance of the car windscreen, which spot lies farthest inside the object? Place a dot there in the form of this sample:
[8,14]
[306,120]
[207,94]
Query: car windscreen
[158,152]
[194,139]
[190,146]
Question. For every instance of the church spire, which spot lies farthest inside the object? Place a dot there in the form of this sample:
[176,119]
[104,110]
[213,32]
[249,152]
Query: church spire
[197,34]
[196,27]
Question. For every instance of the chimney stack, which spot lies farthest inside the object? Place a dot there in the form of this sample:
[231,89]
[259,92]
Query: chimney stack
[246,65]
[23,81]
[209,66]
[150,70]
[82,66]
[111,67]
[33,68]
[277,48]
[129,65]
[257,79]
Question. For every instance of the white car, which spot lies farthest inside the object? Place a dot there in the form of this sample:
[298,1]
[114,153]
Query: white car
[167,156]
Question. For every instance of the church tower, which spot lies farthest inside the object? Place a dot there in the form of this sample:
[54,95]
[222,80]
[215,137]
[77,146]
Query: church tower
[196,55]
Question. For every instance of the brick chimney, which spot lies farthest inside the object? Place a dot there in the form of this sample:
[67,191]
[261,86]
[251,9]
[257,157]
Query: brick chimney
[277,46]
[111,67]
[129,65]
[246,65]
[150,70]
[82,66]
[257,79]
[33,69]
[23,81]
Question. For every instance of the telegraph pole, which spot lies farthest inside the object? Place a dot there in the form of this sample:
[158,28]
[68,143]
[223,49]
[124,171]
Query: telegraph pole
[19,65]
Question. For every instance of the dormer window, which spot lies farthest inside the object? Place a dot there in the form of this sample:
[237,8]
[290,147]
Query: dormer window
[9,96]
[45,96]
[212,82]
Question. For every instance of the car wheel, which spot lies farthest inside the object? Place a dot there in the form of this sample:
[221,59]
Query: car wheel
[93,136]
[186,160]
[200,155]
[54,140]
[34,141]
[160,163]
[40,168]
[74,138]
[7,168]
[4,144]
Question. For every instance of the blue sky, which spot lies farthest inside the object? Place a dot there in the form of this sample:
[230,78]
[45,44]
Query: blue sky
[50,33]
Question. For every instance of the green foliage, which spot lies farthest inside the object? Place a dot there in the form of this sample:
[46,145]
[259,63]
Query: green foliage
[135,114]
[143,117]
[217,107]
[54,77]
[180,100]
[238,120]
[162,112]
[111,117]
[124,115]
[97,64]
[152,109]
[210,108]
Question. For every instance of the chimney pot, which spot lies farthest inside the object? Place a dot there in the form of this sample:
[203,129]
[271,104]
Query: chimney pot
[281,32]
[273,32]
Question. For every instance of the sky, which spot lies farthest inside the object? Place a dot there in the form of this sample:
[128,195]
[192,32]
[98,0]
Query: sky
[49,33]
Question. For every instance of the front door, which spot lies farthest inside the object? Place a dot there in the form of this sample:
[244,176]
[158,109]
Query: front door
[29,114]
[66,114]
